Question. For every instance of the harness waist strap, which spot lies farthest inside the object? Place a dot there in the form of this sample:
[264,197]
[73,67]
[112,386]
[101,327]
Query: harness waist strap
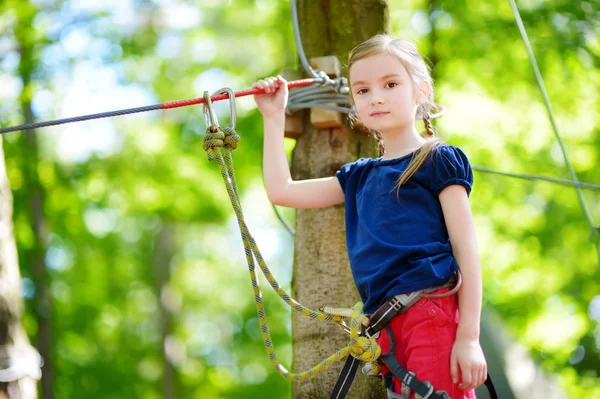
[401,303]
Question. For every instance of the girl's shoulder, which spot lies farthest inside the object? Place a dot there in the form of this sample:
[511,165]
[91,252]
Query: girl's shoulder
[449,156]
[358,164]
[449,151]
[449,165]
[352,170]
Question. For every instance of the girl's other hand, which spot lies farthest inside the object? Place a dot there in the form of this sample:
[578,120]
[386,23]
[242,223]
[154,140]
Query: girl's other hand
[467,357]
[274,99]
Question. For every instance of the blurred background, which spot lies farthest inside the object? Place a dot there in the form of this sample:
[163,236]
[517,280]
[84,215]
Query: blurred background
[126,240]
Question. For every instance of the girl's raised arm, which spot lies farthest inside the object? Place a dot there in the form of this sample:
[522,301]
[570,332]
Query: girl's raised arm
[281,189]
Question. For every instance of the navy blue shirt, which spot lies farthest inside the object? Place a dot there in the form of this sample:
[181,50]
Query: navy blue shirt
[398,244]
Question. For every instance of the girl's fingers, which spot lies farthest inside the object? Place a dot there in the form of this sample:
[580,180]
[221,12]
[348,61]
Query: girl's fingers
[270,84]
[267,88]
[483,376]
[478,377]
[454,368]
[475,379]
[281,82]
[467,378]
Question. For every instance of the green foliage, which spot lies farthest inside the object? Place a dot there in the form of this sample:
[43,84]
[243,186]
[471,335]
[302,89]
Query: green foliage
[104,207]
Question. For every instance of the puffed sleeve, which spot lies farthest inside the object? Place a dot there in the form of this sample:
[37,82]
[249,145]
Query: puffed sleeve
[450,166]
[348,170]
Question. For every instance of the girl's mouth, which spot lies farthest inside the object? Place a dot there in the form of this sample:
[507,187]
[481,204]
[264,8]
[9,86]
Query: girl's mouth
[378,114]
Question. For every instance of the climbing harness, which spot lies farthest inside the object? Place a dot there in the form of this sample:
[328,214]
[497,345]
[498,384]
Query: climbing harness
[379,320]
[219,143]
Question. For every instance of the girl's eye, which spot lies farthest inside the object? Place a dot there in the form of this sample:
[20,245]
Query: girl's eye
[361,91]
[391,84]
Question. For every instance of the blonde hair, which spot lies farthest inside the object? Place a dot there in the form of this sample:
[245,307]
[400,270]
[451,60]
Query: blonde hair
[418,70]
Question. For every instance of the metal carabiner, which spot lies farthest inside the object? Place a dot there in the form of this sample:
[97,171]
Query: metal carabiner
[232,108]
[210,117]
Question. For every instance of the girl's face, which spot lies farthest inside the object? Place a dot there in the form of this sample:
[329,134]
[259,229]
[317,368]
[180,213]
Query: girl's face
[383,93]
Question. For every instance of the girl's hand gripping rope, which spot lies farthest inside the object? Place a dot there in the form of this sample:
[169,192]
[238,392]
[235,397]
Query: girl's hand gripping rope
[273,101]
[282,190]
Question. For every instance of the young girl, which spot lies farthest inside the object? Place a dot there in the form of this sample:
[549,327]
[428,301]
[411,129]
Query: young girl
[408,219]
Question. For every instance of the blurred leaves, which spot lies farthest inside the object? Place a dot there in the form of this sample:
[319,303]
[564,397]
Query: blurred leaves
[112,184]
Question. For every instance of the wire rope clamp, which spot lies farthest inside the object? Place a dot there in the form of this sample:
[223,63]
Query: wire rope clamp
[325,118]
[329,64]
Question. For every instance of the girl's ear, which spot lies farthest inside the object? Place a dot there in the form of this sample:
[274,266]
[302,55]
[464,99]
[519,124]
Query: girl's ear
[423,93]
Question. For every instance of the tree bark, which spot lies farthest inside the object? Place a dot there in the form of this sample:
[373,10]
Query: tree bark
[19,362]
[43,307]
[36,205]
[163,254]
[322,273]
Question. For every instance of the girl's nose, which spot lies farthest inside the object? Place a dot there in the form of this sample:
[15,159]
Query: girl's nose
[377,100]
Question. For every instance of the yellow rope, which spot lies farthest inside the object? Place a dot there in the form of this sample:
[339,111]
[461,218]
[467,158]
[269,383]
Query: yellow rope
[365,349]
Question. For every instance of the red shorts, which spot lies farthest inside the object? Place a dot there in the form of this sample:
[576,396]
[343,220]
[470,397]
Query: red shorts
[424,336]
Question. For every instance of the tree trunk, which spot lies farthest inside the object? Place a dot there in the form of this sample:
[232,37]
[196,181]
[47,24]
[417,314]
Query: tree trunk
[19,362]
[163,253]
[36,257]
[36,219]
[322,273]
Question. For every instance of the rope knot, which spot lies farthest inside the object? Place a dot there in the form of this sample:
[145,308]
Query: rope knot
[231,138]
[365,349]
[212,142]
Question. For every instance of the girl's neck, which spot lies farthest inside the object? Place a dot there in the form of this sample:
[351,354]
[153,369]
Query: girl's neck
[399,144]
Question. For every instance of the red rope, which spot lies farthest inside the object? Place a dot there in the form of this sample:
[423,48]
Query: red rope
[200,100]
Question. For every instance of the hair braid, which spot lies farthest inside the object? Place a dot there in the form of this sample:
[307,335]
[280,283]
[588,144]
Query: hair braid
[380,143]
[429,132]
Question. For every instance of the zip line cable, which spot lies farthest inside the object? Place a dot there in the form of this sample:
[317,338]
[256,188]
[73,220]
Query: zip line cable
[168,105]
[298,39]
[334,91]
[540,82]
[525,176]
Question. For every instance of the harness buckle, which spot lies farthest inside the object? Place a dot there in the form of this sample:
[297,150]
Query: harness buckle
[371,336]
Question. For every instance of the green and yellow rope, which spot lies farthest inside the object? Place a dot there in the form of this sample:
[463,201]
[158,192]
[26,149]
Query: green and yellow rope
[365,349]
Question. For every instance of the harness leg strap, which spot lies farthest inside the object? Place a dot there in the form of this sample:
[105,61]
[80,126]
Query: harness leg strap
[490,387]
[342,386]
[424,390]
